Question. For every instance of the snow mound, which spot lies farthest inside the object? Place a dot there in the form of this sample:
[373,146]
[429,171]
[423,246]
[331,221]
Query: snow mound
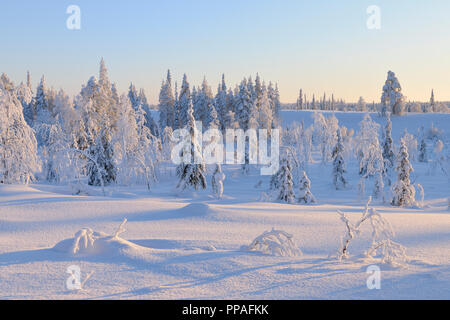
[276,243]
[87,242]
[195,209]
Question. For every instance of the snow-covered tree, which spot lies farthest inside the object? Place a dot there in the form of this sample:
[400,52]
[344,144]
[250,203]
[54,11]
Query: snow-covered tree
[217,180]
[361,107]
[339,169]
[265,110]
[423,155]
[403,191]
[221,103]
[411,144]
[275,104]
[133,96]
[245,106]
[135,150]
[99,116]
[300,103]
[324,134]
[392,99]
[57,161]
[191,173]
[42,103]
[184,100]
[167,143]
[388,145]
[167,104]
[285,182]
[18,146]
[305,194]
[25,96]
[203,103]
[367,143]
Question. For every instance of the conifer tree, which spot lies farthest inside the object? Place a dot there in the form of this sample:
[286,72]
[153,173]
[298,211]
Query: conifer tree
[167,104]
[392,99]
[404,192]
[339,170]
[192,174]
[286,185]
[305,195]
[18,146]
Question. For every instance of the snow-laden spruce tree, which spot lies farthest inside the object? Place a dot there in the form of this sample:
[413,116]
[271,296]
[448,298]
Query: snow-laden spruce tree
[149,121]
[244,106]
[99,116]
[192,174]
[41,101]
[18,146]
[203,103]
[305,195]
[184,101]
[339,170]
[388,150]
[25,96]
[423,155]
[217,180]
[285,182]
[221,104]
[361,106]
[392,99]
[403,190]
[265,110]
[167,104]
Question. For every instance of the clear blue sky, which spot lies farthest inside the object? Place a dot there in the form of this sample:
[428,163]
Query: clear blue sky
[320,46]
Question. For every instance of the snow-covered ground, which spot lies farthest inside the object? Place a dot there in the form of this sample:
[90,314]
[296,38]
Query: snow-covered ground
[189,247]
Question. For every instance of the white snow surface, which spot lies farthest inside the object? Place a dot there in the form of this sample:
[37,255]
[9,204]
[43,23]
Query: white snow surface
[189,247]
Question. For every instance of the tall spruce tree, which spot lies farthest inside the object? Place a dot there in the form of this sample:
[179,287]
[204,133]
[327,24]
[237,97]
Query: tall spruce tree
[403,191]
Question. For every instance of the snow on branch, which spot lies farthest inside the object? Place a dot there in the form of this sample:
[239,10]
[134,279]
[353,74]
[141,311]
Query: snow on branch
[121,229]
[275,243]
[388,251]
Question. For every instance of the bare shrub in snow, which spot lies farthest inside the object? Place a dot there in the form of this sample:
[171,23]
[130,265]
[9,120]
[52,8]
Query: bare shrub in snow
[382,245]
[275,243]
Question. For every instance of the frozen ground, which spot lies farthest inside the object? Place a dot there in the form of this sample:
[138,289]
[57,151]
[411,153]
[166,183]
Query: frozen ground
[189,247]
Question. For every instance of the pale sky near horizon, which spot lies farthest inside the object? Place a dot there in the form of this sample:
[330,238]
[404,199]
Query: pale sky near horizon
[320,46]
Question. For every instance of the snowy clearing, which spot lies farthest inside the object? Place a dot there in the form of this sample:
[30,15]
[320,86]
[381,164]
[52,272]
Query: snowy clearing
[190,247]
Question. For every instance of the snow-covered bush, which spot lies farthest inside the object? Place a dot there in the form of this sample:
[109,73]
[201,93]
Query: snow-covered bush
[217,180]
[88,242]
[382,245]
[276,243]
